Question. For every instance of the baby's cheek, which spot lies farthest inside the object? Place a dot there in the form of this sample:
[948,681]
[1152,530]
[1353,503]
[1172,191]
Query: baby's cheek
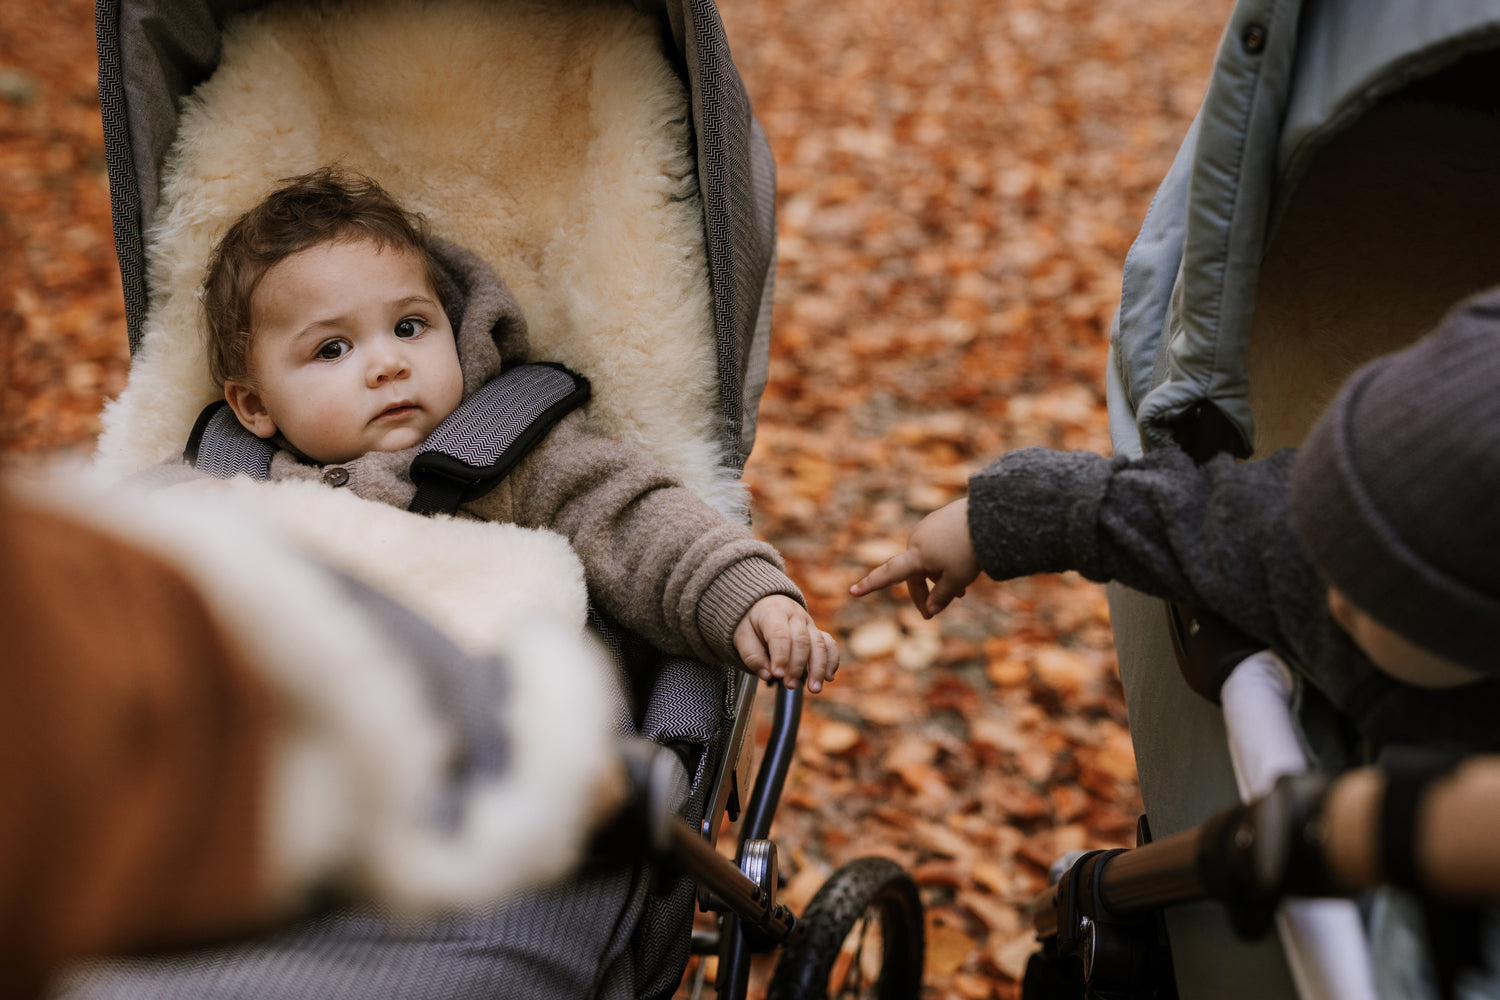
[451,393]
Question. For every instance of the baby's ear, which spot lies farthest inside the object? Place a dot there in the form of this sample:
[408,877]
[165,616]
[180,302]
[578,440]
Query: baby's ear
[250,409]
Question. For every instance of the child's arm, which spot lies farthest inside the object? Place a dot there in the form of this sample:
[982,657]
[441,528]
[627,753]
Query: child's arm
[1216,535]
[657,558]
[939,550]
[778,638]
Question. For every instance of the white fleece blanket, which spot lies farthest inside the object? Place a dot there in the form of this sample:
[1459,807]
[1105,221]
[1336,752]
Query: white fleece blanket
[477,581]
[357,752]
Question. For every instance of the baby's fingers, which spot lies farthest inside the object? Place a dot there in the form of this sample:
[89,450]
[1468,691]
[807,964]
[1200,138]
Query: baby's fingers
[757,662]
[824,661]
[944,591]
[799,651]
[893,570]
[752,649]
[917,587]
[779,645]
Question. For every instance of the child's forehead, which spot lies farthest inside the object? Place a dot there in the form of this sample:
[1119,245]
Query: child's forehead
[360,260]
[354,251]
[337,275]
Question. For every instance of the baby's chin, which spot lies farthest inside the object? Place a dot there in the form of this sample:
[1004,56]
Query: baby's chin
[400,438]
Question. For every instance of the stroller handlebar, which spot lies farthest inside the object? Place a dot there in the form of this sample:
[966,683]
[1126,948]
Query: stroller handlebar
[1419,823]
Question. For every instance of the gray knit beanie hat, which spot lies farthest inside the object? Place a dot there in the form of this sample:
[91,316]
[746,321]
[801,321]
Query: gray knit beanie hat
[1396,493]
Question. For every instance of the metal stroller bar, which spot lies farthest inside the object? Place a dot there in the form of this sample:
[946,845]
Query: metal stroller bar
[747,889]
[755,826]
[771,778]
[1130,882]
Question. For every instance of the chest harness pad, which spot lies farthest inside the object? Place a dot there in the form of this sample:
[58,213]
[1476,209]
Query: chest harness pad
[469,454]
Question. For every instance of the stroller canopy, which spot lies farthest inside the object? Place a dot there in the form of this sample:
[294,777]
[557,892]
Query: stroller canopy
[1288,77]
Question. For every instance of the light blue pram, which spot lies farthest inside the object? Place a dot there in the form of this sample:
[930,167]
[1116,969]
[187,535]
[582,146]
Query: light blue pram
[1333,198]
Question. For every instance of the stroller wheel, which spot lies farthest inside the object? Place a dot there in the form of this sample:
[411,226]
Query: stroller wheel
[865,938]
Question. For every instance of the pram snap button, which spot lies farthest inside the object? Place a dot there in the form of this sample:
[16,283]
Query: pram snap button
[335,476]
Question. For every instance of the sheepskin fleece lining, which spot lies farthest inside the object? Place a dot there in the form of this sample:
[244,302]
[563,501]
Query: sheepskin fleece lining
[358,755]
[477,581]
[554,141]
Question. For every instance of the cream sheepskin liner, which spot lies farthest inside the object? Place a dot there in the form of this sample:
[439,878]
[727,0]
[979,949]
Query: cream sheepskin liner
[358,755]
[553,141]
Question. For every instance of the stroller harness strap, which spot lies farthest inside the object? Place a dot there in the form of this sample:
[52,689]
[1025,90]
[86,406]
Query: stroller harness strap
[220,446]
[469,454]
[483,440]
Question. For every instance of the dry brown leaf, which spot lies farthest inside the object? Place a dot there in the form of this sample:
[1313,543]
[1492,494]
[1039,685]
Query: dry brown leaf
[990,876]
[940,840]
[918,652]
[1010,957]
[944,874]
[1000,919]
[836,737]
[876,639]
[1007,673]
[801,887]
[948,948]
[1065,671]
[972,987]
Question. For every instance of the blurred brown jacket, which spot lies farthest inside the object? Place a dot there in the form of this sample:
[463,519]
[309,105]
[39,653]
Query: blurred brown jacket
[132,754]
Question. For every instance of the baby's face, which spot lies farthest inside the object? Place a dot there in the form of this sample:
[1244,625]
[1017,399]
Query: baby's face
[1399,657]
[351,353]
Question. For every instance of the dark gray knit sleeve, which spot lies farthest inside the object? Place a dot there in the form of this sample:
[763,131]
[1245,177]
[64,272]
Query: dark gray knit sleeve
[1216,536]
[1036,511]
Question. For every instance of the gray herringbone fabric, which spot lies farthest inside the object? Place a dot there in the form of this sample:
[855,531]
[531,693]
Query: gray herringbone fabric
[491,420]
[226,449]
[568,943]
[738,180]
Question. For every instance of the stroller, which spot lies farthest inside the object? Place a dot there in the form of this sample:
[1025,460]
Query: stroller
[603,157]
[1331,201]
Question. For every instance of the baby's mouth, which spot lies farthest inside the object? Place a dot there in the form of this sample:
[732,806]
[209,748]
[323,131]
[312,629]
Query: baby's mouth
[397,410]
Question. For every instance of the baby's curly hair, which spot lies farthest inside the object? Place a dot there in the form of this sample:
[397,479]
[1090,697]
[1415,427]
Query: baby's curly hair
[324,206]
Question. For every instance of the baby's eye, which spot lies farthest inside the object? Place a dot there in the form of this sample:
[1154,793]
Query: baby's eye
[410,327]
[331,350]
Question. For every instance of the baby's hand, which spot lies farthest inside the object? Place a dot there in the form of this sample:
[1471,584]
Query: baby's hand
[939,550]
[778,638]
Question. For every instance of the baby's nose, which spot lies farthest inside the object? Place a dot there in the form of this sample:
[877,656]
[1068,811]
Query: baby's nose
[388,366]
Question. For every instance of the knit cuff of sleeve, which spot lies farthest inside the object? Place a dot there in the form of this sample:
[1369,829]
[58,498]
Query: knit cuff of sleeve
[728,599]
[1035,511]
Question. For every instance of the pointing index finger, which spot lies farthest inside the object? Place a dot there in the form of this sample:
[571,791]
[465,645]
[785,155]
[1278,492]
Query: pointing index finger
[893,570]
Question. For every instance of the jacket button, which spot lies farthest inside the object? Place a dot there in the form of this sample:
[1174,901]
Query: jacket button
[335,476]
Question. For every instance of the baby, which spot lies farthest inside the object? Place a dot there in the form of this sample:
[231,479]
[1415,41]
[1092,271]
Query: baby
[1370,557]
[341,332]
